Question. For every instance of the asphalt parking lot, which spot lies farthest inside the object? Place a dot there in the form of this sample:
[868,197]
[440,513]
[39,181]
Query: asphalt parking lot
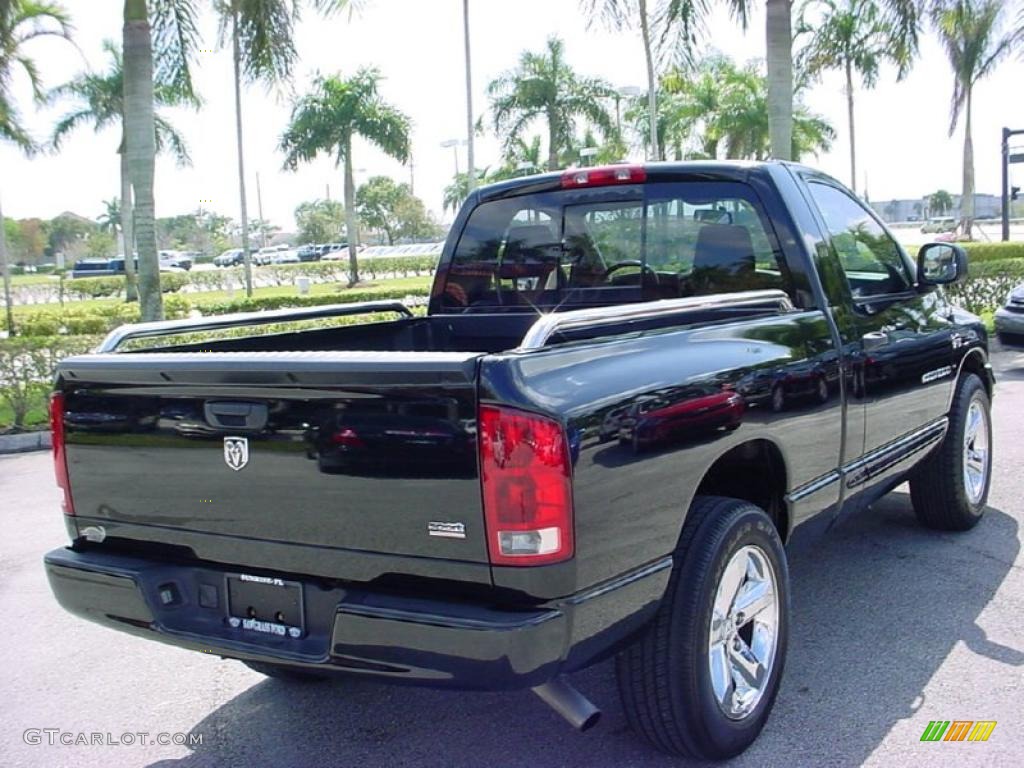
[893,626]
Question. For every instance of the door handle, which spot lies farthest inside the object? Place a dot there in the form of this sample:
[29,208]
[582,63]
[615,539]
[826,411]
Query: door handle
[236,415]
[874,340]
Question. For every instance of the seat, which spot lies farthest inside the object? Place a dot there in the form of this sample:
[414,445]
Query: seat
[723,260]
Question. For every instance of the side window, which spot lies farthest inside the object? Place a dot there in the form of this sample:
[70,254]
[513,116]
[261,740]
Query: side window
[871,259]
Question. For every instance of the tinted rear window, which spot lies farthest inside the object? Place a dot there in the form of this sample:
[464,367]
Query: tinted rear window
[613,245]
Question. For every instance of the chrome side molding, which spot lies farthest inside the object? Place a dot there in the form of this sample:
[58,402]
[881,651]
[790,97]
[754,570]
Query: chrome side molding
[581,319]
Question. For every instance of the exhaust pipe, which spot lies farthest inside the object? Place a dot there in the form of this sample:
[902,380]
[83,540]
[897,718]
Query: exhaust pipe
[559,694]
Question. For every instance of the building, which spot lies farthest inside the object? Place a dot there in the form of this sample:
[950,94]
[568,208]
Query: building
[893,211]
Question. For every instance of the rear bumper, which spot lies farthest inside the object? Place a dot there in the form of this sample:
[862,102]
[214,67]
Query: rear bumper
[414,640]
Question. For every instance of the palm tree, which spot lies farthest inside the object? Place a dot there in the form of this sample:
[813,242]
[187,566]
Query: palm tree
[173,36]
[22,21]
[459,187]
[854,37]
[110,219]
[329,117]
[722,110]
[939,202]
[665,25]
[544,86]
[970,32]
[100,98]
[262,40]
[683,21]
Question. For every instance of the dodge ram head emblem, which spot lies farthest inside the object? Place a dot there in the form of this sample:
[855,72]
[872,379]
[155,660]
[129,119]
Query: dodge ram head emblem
[236,452]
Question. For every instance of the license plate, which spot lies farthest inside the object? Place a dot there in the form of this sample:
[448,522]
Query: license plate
[264,604]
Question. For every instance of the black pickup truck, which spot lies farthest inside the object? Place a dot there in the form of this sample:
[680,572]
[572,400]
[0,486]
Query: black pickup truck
[633,383]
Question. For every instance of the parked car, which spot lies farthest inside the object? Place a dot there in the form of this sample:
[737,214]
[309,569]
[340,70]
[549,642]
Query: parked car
[266,255]
[286,256]
[232,257]
[115,267]
[335,252]
[429,500]
[938,224]
[309,252]
[175,259]
[1010,318]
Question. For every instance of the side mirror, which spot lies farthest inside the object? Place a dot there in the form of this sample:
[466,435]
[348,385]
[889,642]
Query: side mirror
[941,264]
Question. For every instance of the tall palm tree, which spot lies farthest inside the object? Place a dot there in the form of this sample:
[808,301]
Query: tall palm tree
[682,21]
[167,27]
[100,97]
[261,34]
[970,31]
[110,219]
[329,117]
[665,26]
[544,86]
[723,110]
[21,22]
[852,36]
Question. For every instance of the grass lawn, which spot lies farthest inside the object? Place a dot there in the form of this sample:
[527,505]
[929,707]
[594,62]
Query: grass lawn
[414,285]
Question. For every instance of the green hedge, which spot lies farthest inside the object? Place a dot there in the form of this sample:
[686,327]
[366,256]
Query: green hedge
[26,372]
[73,321]
[105,287]
[984,252]
[279,302]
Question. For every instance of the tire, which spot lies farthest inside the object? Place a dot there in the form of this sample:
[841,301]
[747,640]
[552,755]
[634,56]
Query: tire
[665,678]
[285,672]
[778,398]
[945,497]
[822,390]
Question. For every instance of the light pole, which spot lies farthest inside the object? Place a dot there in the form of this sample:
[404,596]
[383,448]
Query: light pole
[1007,159]
[453,145]
[625,92]
[469,98]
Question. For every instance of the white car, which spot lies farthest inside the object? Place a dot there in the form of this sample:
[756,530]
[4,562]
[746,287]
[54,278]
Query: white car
[266,255]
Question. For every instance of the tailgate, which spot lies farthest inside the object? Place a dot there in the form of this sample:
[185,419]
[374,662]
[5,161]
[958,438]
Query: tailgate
[367,452]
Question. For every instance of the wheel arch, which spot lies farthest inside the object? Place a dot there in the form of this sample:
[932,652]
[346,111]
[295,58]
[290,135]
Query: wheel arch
[761,465]
[974,361]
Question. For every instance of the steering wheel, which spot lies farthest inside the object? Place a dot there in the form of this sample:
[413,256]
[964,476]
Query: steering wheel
[644,269]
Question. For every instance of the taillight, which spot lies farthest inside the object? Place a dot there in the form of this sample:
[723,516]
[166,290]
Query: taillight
[348,438]
[527,488]
[60,459]
[603,176]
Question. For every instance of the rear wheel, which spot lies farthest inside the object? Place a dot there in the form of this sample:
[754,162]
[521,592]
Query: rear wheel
[702,679]
[285,672]
[949,489]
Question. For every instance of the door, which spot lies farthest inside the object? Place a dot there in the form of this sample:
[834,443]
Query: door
[902,338]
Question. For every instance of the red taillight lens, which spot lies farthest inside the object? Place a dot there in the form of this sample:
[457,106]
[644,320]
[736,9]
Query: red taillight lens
[60,459]
[348,438]
[603,176]
[527,488]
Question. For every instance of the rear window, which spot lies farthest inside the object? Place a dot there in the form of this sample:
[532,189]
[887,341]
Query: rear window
[611,245]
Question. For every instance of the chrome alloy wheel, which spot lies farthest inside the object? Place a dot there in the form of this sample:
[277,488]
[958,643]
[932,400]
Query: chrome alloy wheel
[744,632]
[976,451]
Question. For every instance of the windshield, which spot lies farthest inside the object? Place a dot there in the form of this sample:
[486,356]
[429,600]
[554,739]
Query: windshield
[610,245]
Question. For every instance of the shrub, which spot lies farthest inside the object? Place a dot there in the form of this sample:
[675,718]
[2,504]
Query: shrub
[987,285]
[94,287]
[978,253]
[279,302]
[27,365]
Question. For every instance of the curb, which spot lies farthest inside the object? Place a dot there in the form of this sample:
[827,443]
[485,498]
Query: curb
[24,442]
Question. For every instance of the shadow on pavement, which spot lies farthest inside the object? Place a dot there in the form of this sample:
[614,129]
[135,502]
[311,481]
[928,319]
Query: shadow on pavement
[879,603]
